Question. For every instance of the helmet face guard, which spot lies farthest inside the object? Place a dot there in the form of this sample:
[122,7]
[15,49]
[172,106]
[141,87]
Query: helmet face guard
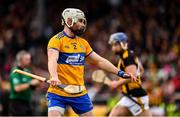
[124,45]
[75,15]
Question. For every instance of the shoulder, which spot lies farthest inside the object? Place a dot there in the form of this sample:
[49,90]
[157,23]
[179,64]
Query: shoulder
[58,36]
[83,40]
[128,54]
[13,68]
[27,70]
[129,58]
[12,73]
[131,53]
[56,40]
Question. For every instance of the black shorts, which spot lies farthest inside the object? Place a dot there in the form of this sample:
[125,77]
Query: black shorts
[19,108]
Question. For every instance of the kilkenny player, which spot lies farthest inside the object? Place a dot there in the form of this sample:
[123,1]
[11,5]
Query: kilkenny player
[135,100]
[67,53]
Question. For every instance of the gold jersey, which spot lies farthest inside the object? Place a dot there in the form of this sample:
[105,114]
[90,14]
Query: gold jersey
[71,61]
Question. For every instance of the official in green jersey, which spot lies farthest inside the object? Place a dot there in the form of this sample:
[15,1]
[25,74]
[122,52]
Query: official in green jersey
[21,87]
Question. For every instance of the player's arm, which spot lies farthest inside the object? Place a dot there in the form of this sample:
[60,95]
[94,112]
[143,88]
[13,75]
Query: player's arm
[21,87]
[24,86]
[129,69]
[52,65]
[18,86]
[102,63]
[105,65]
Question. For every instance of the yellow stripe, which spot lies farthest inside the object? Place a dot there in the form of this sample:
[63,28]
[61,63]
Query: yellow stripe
[140,102]
[119,63]
[124,90]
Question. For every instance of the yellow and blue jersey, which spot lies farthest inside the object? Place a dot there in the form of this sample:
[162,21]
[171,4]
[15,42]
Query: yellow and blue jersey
[71,61]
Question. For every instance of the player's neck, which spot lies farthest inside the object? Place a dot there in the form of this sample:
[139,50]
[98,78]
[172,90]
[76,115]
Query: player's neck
[21,66]
[68,32]
[120,53]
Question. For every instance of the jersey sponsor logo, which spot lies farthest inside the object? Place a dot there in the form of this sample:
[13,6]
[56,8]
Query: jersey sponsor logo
[16,80]
[82,47]
[24,79]
[66,46]
[72,58]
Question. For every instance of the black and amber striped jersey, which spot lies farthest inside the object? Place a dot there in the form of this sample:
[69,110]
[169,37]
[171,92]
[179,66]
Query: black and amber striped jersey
[132,88]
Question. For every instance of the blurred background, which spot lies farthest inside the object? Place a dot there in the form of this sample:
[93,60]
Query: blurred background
[153,28]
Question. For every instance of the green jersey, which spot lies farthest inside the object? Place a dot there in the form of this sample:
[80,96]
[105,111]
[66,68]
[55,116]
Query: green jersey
[17,79]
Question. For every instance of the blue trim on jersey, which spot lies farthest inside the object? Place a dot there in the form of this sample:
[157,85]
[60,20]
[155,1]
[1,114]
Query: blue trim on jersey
[80,105]
[72,37]
[89,53]
[71,58]
[54,49]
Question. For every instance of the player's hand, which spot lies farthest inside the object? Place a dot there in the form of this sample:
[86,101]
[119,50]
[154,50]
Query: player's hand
[34,82]
[54,81]
[123,74]
[133,78]
[126,75]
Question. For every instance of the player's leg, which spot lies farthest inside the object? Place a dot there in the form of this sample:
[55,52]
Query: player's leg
[146,112]
[125,107]
[90,113]
[81,105]
[53,113]
[119,111]
[141,109]
[56,105]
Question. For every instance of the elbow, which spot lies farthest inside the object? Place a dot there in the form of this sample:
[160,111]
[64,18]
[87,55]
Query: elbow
[101,61]
[99,64]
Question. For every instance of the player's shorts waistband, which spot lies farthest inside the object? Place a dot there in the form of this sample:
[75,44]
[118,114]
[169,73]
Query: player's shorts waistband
[139,92]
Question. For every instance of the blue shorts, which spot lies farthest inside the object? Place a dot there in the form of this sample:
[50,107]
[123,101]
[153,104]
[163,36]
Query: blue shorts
[80,105]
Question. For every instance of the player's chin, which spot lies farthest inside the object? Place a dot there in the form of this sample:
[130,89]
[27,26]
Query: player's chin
[116,53]
[79,32]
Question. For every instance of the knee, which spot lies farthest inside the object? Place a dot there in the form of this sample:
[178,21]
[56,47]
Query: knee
[87,114]
[54,113]
[119,111]
[147,113]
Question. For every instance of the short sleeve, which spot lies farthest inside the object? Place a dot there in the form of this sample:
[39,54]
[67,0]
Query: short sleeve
[89,50]
[130,60]
[54,43]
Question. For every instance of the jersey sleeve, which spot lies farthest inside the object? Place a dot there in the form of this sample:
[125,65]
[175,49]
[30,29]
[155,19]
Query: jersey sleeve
[15,79]
[54,43]
[130,60]
[89,50]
